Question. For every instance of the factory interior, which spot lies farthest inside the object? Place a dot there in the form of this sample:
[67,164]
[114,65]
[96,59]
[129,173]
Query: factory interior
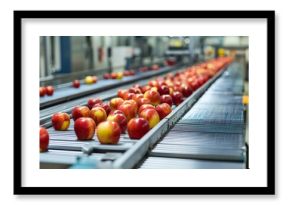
[144,102]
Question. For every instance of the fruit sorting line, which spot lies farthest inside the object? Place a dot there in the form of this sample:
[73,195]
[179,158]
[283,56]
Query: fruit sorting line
[67,93]
[210,134]
[105,93]
[203,149]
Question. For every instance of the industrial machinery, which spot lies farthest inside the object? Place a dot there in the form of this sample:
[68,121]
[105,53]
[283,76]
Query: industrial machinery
[207,130]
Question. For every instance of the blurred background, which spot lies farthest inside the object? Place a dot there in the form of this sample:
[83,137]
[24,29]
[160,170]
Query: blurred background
[64,58]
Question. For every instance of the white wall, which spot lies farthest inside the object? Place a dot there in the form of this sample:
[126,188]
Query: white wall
[282,94]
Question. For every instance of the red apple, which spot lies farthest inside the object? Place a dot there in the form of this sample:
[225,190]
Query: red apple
[85,128]
[155,89]
[137,96]
[142,101]
[163,110]
[132,103]
[169,76]
[201,80]
[93,101]
[143,69]
[120,119]
[145,106]
[105,106]
[80,111]
[138,86]
[177,83]
[177,97]
[115,103]
[107,76]
[186,90]
[98,114]
[176,74]
[95,79]
[153,96]
[49,90]
[114,112]
[121,93]
[160,81]
[44,139]
[128,109]
[42,91]
[151,115]
[163,90]
[194,85]
[166,99]
[134,90]
[145,88]
[128,96]
[126,73]
[76,83]
[155,67]
[137,128]
[114,75]
[60,121]
[153,83]
[108,132]
[177,88]
[132,72]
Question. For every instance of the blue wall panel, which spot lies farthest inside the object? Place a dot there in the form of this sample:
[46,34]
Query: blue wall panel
[65,50]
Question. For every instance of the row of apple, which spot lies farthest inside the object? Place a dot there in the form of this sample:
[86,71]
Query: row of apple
[118,75]
[89,80]
[47,90]
[135,110]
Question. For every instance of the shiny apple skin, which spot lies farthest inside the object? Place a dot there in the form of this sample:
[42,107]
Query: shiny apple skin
[163,110]
[108,132]
[115,103]
[84,128]
[145,106]
[80,111]
[128,109]
[60,121]
[76,84]
[177,97]
[98,114]
[42,91]
[166,99]
[44,139]
[49,90]
[120,119]
[151,115]
[92,101]
[137,128]
[153,96]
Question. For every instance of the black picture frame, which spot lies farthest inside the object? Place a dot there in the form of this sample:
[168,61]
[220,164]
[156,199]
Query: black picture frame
[268,190]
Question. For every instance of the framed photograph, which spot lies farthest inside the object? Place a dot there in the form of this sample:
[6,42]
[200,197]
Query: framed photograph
[144,102]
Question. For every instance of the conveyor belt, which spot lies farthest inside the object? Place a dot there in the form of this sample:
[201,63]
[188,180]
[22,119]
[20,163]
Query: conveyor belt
[210,135]
[65,149]
[68,93]
[45,114]
[196,149]
[175,163]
